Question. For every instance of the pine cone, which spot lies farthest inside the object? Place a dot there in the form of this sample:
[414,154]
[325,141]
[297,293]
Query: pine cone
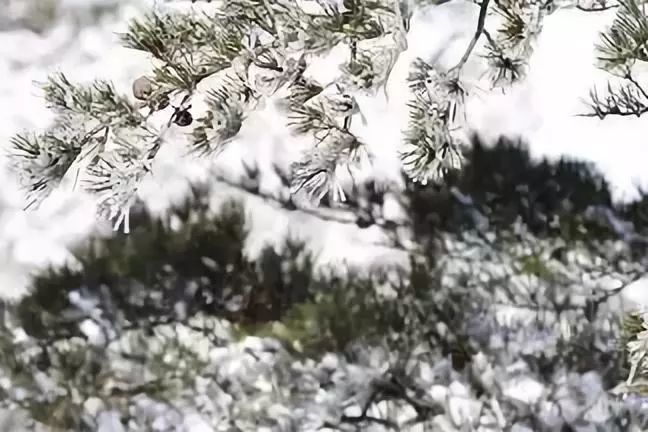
[183,118]
[142,88]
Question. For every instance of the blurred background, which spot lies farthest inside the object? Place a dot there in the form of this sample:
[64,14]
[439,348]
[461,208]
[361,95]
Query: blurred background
[228,307]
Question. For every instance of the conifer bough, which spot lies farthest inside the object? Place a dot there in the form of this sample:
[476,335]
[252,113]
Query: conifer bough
[260,49]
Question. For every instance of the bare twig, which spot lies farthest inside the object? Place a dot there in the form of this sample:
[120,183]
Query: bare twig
[596,8]
[483,8]
[637,113]
[638,86]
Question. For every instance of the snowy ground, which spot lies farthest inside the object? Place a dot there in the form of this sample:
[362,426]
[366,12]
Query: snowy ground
[541,110]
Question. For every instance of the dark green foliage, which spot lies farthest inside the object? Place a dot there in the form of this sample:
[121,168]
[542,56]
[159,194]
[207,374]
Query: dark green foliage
[501,185]
[348,310]
[340,311]
[636,212]
[162,272]
[312,327]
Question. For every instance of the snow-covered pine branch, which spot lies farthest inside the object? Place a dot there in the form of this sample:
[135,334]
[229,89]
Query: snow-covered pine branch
[621,48]
[255,51]
[435,110]
[637,354]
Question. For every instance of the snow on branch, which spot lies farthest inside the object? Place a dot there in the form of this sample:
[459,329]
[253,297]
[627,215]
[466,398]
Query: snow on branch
[625,41]
[622,45]
[627,100]
[431,150]
[255,51]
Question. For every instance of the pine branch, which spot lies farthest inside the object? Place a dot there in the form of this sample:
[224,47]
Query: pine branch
[342,216]
[361,70]
[373,62]
[430,150]
[43,160]
[510,47]
[312,118]
[638,355]
[625,41]
[361,21]
[328,119]
[224,119]
[301,91]
[190,47]
[270,17]
[315,174]
[505,68]
[168,36]
[627,100]
[88,117]
[481,21]
[99,101]
[115,177]
[600,7]
[259,47]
